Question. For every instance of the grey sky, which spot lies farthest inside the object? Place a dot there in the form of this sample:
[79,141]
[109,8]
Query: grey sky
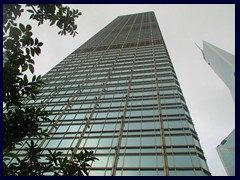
[209,101]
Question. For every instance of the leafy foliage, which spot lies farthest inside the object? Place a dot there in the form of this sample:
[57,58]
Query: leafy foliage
[63,16]
[37,164]
[20,122]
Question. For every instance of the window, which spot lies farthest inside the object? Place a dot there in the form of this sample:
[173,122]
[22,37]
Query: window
[131,172]
[131,161]
[66,143]
[133,141]
[182,160]
[148,161]
[53,143]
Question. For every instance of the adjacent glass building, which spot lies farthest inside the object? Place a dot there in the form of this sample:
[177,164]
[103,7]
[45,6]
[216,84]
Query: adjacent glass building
[226,151]
[223,64]
[119,96]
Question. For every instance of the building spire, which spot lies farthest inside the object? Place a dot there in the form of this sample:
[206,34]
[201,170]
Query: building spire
[200,50]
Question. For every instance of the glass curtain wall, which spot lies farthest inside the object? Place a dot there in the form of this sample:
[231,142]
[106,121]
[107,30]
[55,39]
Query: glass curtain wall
[119,96]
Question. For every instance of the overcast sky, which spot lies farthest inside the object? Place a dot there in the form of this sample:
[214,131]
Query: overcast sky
[208,99]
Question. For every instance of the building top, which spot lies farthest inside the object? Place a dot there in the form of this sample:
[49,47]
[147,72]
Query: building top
[228,57]
[229,141]
[223,63]
[137,14]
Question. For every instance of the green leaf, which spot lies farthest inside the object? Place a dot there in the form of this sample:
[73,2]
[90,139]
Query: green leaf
[31,61]
[31,41]
[31,68]
[28,27]
[33,78]
[36,41]
[29,10]
[24,67]
[32,16]
[16,31]
[22,28]
[32,51]
[37,50]
[27,51]
[39,78]
[40,44]
[29,33]
[25,79]
[52,22]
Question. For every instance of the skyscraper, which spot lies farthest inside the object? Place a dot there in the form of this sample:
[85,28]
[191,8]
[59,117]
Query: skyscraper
[223,64]
[226,151]
[119,96]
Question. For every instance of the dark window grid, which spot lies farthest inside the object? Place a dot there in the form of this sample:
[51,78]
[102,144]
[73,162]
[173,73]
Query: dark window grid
[124,64]
[145,67]
[176,162]
[149,147]
[144,77]
[63,135]
[128,51]
[159,48]
[106,100]
[51,75]
[125,51]
[123,91]
[56,77]
[149,61]
[164,63]
[127,79]
[100,138]
[166,66]
[57,146]
[142,52]
[151,107]
[50,125]
[146,54]
[154,135]
[126,55]
[150,168]
[135,119]
[121,69]
[83,86]
[83,74]
[58,105]
[106,61]
[88,63]
[137,147]
[148,118]
[124,169]
[146,153]
[105,66]
[159,51]
[160,57]
[137,98]
[184,136]
[138,132]
[142,71]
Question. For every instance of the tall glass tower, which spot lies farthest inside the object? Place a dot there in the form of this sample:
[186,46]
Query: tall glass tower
[119,96]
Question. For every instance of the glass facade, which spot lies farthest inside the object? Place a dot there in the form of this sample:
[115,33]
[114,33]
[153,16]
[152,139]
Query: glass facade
[119,96]
[226,152]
